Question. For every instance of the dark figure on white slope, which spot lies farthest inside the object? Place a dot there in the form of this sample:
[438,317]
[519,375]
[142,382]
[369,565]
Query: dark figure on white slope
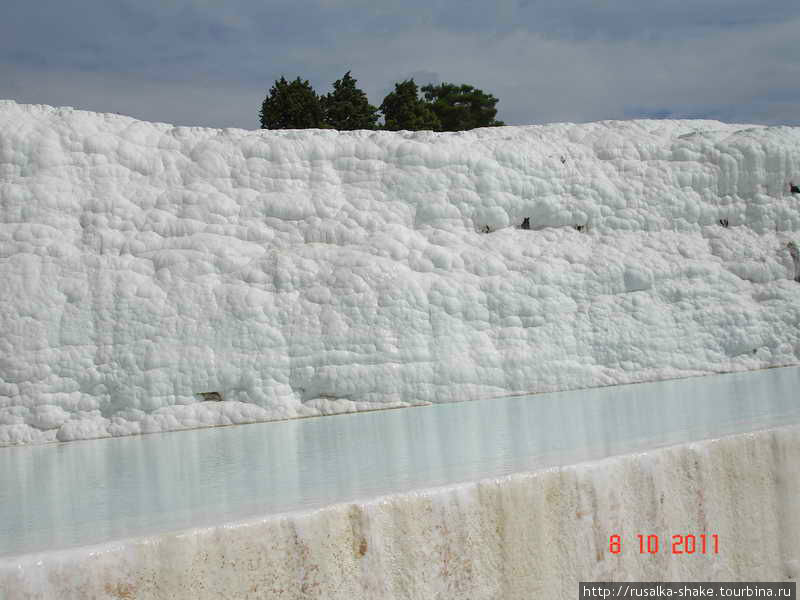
[795,253]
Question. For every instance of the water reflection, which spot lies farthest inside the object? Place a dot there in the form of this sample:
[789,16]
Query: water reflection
[88,492]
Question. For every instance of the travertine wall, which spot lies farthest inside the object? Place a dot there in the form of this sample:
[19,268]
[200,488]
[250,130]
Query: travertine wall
[300,273]
[525,536]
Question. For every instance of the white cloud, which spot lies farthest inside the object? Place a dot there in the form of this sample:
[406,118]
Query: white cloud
[575,60]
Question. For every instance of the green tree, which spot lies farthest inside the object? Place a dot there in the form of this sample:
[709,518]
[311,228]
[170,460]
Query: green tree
[461,107]
[347,107]
[404,109]
[292,105]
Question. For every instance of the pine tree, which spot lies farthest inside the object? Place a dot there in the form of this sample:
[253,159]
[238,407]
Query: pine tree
[461,107]
[347,107]
[404,109]
[292,105]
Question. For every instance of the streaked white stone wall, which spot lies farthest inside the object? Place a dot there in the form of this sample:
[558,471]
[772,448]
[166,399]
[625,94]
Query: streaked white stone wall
[525,536]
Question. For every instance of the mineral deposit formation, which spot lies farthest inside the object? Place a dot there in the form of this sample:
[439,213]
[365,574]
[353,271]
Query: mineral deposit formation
[158,277]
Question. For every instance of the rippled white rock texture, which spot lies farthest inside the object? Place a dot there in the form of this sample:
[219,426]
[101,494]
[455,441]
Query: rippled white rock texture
[531,535]
[158,277]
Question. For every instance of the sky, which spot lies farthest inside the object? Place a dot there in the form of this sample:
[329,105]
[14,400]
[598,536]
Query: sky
[207,63]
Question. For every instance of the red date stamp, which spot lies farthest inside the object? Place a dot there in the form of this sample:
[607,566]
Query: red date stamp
[702,543]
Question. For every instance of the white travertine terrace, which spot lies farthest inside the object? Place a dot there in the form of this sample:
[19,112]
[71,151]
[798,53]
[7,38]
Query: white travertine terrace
[528,535]
[147,267]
